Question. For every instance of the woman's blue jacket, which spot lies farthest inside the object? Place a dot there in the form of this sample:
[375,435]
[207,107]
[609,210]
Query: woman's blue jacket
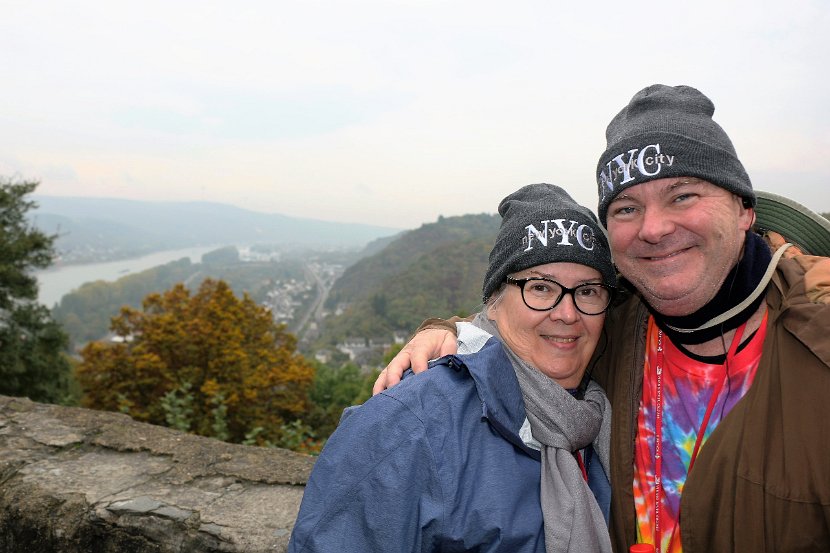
[433,464]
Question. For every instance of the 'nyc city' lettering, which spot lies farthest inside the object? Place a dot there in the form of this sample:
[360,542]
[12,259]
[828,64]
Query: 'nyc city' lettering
[582,234]
[647,161]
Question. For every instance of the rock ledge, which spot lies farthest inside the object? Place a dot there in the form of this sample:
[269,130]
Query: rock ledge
[76,480]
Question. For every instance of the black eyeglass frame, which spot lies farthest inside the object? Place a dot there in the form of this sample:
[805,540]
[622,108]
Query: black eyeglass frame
[521,282]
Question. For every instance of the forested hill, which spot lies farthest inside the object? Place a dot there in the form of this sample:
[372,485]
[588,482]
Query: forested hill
[96,229]
[435,270]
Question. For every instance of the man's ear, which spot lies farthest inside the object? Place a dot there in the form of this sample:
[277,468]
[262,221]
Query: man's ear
[747,215]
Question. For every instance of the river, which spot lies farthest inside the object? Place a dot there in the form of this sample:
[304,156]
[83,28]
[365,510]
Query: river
[55,282]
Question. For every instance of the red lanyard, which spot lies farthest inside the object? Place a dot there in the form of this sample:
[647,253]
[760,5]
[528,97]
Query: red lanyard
[658,428]
[581,464]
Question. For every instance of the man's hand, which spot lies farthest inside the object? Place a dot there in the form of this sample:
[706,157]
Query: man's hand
[427,344]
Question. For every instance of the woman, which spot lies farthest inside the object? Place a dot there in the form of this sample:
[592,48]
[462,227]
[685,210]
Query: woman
[502,447]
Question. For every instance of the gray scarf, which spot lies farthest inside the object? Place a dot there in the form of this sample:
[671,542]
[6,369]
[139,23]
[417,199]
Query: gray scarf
[563,425]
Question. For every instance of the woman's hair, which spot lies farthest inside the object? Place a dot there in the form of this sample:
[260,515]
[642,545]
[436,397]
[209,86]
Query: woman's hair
[496,297]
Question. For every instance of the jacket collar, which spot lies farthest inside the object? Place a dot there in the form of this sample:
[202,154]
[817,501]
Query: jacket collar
[495,379]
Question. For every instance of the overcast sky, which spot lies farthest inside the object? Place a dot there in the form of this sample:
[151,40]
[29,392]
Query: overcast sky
[392,112]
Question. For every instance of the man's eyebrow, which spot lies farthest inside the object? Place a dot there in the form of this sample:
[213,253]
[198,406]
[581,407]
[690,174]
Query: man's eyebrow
[621,197]
[680,182]
[683,181]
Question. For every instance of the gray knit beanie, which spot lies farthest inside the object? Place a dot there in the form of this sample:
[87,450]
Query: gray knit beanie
[542,224]
[667,131]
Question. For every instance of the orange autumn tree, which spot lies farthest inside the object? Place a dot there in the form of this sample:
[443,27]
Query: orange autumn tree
[209,363]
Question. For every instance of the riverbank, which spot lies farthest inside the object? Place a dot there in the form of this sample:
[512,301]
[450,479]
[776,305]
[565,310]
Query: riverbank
[56,282]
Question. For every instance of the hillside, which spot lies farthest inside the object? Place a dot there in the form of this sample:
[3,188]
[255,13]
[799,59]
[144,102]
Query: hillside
[98,229]
[435,270]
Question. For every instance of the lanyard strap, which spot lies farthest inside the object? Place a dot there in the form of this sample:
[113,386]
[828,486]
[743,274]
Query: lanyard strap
[581,464]
[658,427]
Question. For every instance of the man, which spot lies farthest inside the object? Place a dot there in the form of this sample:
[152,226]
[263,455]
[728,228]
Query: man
[718,334]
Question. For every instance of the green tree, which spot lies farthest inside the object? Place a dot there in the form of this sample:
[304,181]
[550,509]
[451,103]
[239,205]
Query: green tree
[335,389]
[209,363]
[33,362]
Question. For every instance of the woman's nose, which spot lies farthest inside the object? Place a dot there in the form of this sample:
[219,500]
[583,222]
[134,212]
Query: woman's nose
[565,310]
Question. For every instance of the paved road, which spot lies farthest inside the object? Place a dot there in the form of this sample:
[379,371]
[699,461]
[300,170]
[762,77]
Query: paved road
[316,308]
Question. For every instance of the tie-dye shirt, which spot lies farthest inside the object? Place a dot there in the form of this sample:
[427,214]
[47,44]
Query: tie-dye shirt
[687,386]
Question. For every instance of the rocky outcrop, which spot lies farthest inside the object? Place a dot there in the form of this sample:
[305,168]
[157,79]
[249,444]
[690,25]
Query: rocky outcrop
[76,480]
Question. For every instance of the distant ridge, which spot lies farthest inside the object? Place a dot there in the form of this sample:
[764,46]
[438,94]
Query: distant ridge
[132,227]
